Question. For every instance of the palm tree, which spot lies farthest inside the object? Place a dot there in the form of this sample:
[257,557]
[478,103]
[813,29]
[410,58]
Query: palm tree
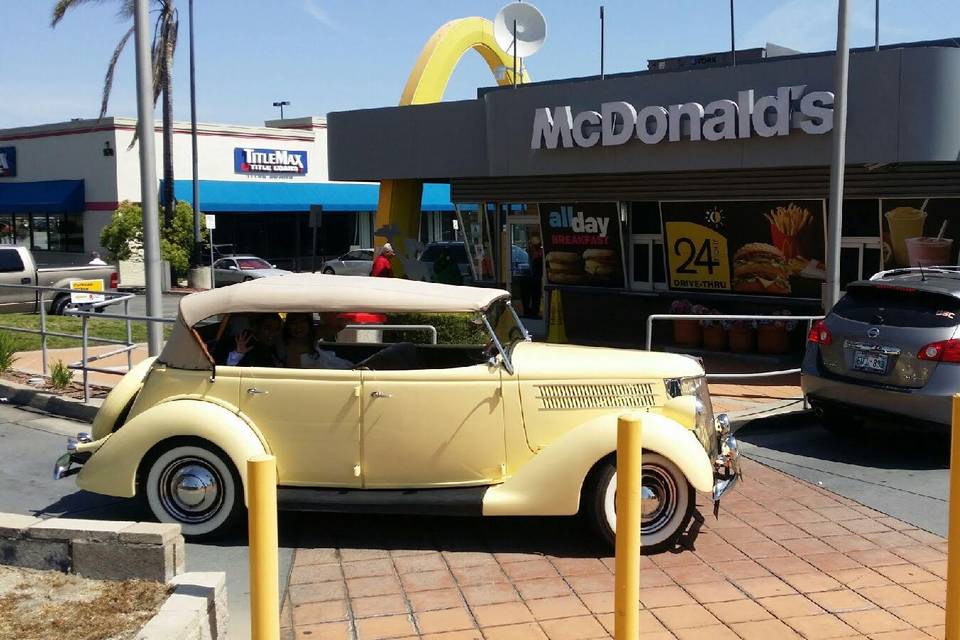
[164,45]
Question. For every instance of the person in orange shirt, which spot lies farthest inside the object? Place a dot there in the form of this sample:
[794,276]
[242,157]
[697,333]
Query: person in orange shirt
[381,264]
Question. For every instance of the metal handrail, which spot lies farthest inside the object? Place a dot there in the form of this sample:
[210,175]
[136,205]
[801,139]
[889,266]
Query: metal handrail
[714,316]
[85,312]
[432,330]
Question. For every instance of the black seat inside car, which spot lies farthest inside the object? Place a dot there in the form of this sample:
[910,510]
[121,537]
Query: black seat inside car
[397,357]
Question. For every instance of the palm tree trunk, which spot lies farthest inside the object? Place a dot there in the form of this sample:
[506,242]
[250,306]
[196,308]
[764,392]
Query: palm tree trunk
[167,79]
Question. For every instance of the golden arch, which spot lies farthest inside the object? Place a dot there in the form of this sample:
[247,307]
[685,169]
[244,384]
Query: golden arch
[398,208]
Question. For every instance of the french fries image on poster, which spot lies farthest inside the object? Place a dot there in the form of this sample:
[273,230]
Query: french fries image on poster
[697,257]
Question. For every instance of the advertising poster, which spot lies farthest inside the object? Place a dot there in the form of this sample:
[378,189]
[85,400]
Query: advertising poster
[760,247]
[919,232]
[581,244]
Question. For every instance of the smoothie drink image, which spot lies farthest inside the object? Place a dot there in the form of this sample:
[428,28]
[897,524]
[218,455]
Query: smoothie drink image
[929,252]
[904,222]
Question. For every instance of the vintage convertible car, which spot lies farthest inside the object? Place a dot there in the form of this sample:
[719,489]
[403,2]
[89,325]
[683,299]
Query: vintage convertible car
[510,427]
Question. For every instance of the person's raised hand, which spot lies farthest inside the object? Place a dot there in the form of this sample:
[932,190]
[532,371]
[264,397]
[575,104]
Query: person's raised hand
[244,342]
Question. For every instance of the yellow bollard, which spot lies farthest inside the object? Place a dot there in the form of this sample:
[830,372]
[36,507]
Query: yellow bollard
[264,571]
[626,621]
[953,533]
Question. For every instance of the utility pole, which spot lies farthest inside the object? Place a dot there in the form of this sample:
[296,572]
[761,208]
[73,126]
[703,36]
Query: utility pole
[148,173]
[733,41]
[876,25]
[835,207]
[197,237]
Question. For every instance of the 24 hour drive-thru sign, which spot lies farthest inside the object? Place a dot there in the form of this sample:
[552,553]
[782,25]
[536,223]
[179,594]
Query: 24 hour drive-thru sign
[269,161]
[618,122]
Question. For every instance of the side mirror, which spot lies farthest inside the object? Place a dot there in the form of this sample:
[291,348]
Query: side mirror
[273,266]
[232,267]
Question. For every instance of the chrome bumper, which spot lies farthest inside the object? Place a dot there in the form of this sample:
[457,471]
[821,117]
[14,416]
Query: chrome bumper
[727,463]
[63,467]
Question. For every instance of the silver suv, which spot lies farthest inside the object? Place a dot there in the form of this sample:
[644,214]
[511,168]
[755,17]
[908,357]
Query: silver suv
[888,351]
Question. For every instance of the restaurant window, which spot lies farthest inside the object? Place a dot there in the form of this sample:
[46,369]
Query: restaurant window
[860,244]
[475,228]
[647,272]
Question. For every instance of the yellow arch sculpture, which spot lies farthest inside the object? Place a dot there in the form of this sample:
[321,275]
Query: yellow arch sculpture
[398,208]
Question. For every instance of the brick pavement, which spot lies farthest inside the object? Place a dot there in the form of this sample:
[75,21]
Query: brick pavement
[785,560]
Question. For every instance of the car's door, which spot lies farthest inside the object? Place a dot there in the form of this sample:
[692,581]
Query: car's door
[13,271]
[433,427]
[311,420]
[224,274]
[355,265]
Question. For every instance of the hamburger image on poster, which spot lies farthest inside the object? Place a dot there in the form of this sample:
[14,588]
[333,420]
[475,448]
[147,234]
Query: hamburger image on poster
[760,268]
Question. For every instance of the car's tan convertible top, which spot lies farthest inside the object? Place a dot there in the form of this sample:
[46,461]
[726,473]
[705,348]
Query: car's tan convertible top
[308,292]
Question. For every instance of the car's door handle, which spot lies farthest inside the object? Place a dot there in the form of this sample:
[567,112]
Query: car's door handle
[25,281]
[253,391]
[381,394]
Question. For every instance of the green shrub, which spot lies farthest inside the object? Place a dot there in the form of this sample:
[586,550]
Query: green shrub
[452,328]
[60,376]
[176,240]
[7,350]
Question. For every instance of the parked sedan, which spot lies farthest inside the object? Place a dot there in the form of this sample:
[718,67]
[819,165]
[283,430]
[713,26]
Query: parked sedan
[234,269]
[888,351]
[354,263]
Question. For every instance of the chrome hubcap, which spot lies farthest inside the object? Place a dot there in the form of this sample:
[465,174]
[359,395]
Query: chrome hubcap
[191,490]
[659,499]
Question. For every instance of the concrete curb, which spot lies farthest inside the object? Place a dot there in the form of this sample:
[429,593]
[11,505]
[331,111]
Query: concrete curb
[196,610]
[757,416]
[24,395]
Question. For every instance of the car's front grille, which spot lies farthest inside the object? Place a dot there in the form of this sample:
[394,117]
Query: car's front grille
[596,396]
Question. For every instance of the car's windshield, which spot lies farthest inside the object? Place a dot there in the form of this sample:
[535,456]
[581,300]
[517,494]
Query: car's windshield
[247,264]
[506,324]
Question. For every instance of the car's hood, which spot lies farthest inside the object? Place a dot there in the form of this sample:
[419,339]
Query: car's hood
[264,273]
[541,361]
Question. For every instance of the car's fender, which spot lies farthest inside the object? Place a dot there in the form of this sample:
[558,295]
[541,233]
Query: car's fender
[112,469]
[119,398]
[551,482]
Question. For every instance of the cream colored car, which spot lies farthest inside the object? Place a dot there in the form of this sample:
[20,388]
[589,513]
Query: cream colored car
[499,427]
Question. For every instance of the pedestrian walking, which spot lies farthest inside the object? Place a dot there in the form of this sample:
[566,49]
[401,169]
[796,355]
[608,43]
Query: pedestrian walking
[381,264]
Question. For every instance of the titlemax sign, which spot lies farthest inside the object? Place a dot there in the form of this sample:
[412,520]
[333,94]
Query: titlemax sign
[618,122]
[247,160]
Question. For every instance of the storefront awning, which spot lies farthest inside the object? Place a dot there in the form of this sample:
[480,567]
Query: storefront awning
[47,196]
[238,196]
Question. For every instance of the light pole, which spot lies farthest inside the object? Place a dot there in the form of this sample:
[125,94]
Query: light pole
[838,159]
[282,104]
[148,174]
[193,144]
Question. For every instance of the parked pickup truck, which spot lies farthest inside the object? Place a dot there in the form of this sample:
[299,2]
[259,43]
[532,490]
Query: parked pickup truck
[17,266]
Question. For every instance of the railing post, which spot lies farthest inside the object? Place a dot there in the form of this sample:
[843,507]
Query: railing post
[43,337]
[264,571]
[626,622]
[126,312]
[83,356]
[953,534]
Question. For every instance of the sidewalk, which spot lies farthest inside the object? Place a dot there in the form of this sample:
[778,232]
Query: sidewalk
[31,362]
[785,560]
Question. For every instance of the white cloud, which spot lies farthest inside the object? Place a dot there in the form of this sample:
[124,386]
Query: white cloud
[317,12]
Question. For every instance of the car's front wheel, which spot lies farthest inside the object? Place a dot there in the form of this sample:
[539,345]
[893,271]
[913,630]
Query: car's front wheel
[329,271]
[667,504]
[195,485]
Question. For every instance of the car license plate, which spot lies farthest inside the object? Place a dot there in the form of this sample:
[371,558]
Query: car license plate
[870,362]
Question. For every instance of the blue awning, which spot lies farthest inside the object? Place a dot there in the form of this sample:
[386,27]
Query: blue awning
[48,196]
[240,196]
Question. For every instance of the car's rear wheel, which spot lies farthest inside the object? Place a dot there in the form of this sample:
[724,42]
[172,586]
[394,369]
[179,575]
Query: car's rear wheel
[59,304]
[329,271]
[195,485]
[668,502]
[247,278]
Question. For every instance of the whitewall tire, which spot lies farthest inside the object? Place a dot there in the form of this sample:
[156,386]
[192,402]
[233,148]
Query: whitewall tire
[668,502]
[195,486]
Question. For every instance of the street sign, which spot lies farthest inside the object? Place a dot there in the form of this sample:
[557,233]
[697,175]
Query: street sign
[316,213]
[211,221]
[86,289]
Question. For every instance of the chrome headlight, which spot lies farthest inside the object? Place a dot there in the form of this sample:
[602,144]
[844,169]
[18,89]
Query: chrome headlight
[697,387]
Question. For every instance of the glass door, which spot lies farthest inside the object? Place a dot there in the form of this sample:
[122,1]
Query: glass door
[523,264]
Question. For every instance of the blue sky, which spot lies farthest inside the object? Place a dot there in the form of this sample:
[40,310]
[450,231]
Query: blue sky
[329,55]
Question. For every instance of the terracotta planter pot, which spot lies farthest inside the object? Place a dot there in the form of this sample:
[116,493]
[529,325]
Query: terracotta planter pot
[686,333]
[772,339]
[741,339]
[715,338]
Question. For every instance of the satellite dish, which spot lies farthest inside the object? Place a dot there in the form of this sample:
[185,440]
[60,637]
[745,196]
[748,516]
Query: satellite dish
[531,29]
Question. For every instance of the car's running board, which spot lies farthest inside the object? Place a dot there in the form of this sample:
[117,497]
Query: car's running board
[457,501]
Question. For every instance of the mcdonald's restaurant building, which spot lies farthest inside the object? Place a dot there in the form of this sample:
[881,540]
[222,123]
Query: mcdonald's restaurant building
[678,189]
